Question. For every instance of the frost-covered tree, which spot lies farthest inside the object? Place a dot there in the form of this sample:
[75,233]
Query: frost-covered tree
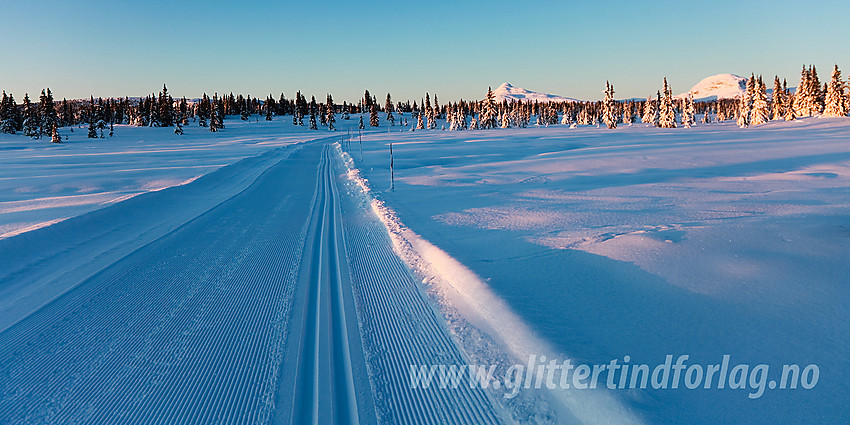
[835,106]
[650,115]
[761,110]
[388,108]
[47,116]
[331,117]
[31,124]
[688,111]
[373,116]
[8,108]
[778,102]
[745,105]
[609,113]
[666,113]
[488,114]
[166,108]
[54,134]
[361,126]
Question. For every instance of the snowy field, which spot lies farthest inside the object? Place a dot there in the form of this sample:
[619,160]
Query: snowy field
[645,242]
[587,243]
[43,183]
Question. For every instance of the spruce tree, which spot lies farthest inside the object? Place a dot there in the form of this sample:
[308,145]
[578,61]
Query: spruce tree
[488,111]
[761,110]
[835,106]
[54,136]
[361,126]
[373,115]
[419,124]
[7,120]
[746,104]
[778,101]
[388,107]
[47,112]
[649,113]
[609,115]
[666,113]
[331,119]
[31,124]
[688,111]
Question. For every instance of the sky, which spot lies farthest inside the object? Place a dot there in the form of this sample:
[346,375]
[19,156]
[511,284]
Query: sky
[408,48]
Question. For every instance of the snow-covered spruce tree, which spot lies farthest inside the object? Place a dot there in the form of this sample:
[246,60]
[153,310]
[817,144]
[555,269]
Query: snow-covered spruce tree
[688,111]
[801,97]
[47,113]
[420,125]
[816,93]
[7,120]
[666,113]
[706,116]
[361,126]
[166,108]
[835,106]
[313,125]
[649,114]
[627,113]
[777,104]
[331,117]
[761,110]
[609,115]
[54,134]
[30,126]
[388,107]
[746,104]
[373,116]
[178,125]
[215,119]
[487,116]
[505,120]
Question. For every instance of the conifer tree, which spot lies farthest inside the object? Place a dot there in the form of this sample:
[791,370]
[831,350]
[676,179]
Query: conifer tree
[688,111]
[761,111]
[419,124]
[373,115]
[835,106]
[47,112]
[331,119]
[488,111]
[778,101]
[313,125]
[361,126]
[666,113]
[649,114]
[746,104]
[31,124]
[388,107]
[166,108]
[609,115]
[7,118]
[54,134]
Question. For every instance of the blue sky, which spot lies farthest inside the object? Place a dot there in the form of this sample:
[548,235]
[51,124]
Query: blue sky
[408,48]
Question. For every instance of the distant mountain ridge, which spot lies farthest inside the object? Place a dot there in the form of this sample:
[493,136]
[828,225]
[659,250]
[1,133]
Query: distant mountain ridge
[517,94]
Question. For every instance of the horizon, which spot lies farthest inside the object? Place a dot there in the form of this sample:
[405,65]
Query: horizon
[104,49]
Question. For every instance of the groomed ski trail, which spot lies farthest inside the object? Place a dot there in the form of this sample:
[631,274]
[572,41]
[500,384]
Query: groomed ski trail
[283,304]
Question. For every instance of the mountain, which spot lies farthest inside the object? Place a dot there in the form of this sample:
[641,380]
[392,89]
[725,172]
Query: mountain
[720,86]
[510,93]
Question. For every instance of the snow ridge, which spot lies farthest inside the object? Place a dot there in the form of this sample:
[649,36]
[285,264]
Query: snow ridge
[474,313]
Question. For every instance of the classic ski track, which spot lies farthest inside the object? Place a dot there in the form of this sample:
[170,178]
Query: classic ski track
[324,342]
[260,310]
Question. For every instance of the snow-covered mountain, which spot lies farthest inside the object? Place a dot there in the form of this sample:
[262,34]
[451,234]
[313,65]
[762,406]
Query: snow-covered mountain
[508,92]
[720,86]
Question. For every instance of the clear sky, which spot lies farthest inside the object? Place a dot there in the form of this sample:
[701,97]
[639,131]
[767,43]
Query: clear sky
[454,48]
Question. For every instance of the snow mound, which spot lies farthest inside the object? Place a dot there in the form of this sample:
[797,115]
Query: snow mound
[510,93]
[720,86]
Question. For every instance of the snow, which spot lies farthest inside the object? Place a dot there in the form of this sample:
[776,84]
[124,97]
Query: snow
[42,183]
[720,86]
[510,93]
[127,256]
[641,241]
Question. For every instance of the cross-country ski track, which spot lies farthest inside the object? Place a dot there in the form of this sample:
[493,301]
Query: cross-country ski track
[264,292]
